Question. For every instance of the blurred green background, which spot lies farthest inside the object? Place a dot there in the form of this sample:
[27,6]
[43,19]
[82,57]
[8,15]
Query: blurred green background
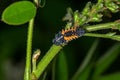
[48,22]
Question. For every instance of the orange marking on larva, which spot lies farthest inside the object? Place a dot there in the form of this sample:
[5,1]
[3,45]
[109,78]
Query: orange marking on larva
[66,38]
[70,38]
[62,31]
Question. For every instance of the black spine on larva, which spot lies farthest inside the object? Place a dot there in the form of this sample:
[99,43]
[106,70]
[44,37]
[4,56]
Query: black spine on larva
[59,39]
[70,33]
[80,32]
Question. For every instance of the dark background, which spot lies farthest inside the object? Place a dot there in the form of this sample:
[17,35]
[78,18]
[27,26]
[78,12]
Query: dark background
[48,22]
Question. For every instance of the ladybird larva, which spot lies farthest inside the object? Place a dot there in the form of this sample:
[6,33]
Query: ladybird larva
[67,35]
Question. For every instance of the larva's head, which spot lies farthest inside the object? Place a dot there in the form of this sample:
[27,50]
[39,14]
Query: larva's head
[59,39]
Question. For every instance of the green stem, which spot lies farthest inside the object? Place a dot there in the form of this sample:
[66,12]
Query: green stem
[27,73]
[113,25]
[55,49]
[34,65]
[47,59]
[113,37]
[35,57]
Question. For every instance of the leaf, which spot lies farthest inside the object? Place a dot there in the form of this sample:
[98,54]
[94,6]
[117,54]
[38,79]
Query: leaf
[85,68]
[44,76]
[86,72]
[106,60]
[114,76]
[110,34]
[19,13]
[61,68]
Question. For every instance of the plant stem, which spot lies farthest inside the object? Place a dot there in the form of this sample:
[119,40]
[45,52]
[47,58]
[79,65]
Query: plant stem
[27,73]
[113,25]
[35,57]
[114,37]
[46,59]
[55,49]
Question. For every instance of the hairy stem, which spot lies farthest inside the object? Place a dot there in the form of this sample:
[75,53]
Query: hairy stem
[28,51]
[112,25]
[113,37]
[46,59]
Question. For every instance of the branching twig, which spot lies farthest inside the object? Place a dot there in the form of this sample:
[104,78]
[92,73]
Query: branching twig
[91,13]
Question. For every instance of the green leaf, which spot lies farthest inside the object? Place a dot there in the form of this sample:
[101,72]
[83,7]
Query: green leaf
[61,68]
[44,76]
[86,72]
[85,68]
[114,76]
[110,34]
[19,13]
[106,60]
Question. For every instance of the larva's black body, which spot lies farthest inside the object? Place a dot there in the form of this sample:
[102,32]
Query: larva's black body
[65,36]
